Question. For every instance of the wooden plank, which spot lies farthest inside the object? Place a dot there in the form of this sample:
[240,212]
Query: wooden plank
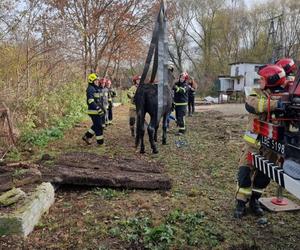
[6,182]
[18,177]
[93,170]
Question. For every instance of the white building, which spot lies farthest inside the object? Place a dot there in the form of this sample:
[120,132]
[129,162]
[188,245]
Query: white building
[242,74]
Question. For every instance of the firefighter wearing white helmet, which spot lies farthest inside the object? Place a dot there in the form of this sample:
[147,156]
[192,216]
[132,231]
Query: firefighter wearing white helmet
[251,183]
[181,101]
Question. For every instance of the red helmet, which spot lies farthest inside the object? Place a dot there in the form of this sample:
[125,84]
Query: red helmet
[136,78]
[287,64]
[108,82]
[185,75]
[273,76]
[103,80]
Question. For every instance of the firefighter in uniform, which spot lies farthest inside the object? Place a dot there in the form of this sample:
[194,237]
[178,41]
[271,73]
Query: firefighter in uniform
[251,183]
[181,101]
[111,95]
[132,110]
[95,110]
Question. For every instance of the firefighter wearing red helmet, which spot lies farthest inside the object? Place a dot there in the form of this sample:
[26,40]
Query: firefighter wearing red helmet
[181,101]
[132,110]
[104,93]
[251,183]
[289,67]
[287,64]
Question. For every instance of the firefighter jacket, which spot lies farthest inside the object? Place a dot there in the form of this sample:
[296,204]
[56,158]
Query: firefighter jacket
[180,93]
[130,94]
[111,94]
[94,100]
[257,105]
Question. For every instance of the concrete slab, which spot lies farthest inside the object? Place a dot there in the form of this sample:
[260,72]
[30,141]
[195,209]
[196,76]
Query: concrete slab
[22,220]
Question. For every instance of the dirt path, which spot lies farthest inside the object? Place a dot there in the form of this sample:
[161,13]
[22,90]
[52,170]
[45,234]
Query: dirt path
[195,214]
[226,109]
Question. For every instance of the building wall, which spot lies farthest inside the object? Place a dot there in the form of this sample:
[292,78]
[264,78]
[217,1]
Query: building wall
[225,83]
[251,74]
[244,75]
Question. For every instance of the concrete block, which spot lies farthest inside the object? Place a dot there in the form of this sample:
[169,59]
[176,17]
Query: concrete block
[24,218]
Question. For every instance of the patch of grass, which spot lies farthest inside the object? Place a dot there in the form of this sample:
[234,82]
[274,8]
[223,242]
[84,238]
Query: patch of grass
[3,231]
[13,155]
[19,172]
[195,228]
[44,136]
[40,225]
[159,237]
[132,230]
[108,193]
[67,205]
[179,228]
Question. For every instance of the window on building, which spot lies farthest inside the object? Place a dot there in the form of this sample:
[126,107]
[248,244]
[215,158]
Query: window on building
[238,81]
[256,81]
[237,71]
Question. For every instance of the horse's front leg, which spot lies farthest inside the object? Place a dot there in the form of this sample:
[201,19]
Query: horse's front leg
[165,126]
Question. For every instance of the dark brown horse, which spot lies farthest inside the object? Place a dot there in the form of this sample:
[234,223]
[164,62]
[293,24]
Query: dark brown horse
[151,98]
[146,100]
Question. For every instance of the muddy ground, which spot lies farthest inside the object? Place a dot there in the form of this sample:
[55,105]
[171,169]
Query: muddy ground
[195,214]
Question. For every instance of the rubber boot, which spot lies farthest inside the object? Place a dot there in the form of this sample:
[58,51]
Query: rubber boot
[100,142]
[255,205]
[87,140]
[240,209]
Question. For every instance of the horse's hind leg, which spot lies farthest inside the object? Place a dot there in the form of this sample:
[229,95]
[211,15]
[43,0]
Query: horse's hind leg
[151,133]
[164,126]
[155,133]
